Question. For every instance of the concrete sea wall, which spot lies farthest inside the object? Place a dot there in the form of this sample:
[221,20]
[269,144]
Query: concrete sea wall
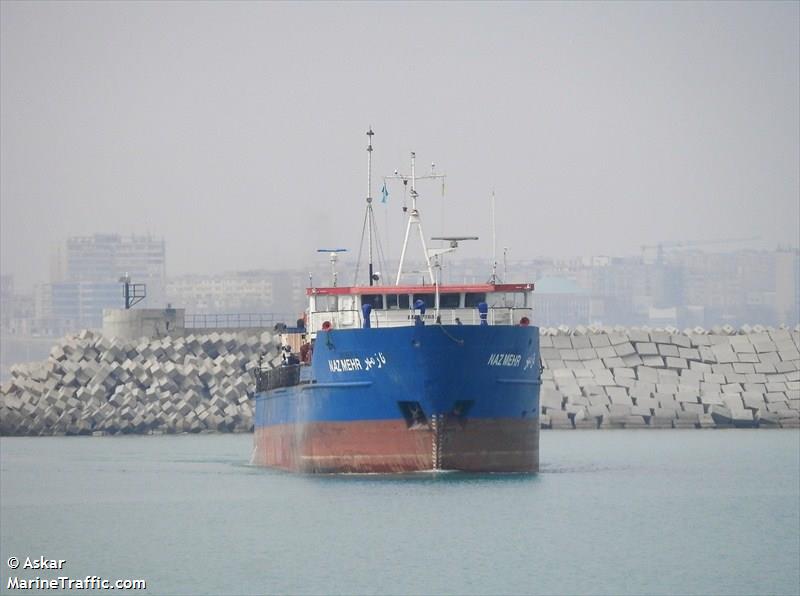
[592,378]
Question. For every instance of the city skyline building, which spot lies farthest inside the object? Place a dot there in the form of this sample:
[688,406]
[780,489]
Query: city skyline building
[85,278]
[681,288]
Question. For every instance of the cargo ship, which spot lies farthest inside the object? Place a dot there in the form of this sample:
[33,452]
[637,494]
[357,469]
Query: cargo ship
[391,378]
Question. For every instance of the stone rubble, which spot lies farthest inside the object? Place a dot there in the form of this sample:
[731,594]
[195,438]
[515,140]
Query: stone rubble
[603,377]
[94,385]
[593,377]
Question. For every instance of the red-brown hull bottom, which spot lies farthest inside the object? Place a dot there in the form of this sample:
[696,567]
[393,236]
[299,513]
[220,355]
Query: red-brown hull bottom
[389,446]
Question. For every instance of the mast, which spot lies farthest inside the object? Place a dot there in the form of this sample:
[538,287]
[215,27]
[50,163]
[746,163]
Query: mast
[369,227]
[493,280]
[414,219]
[369,203]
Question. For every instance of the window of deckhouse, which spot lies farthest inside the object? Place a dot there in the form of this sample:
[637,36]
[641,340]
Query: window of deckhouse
[397,301]
[472,299]
[376,300]
[449,300]
[324,303]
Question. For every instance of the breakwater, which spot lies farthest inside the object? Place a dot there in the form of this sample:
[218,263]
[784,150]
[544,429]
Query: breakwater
[91,384]
[642,378]
[593,377]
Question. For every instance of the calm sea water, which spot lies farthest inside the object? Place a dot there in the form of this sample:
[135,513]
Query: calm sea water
[613,512]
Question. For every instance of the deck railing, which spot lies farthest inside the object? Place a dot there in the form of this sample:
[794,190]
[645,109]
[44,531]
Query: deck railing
[233,320]
[498,315]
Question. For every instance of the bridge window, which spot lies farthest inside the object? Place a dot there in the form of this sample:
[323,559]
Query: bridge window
[507,299]
[449,300]
[516,299]
[397,301]
[326,303]
[376,300]
[472,299]
[428,299]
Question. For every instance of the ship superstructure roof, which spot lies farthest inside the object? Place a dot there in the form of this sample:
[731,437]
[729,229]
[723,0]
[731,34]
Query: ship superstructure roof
[418,289]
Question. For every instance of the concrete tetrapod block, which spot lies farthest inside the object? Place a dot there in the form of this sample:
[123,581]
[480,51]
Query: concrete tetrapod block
[646,349]
[691,377]
[624,349]
[580,342]
[732,388]
[641,392]
[619,396]
[765,346]
[667,388]
[770,357]
[634,421]
[776,406]
[632,360]
[559,419]
[668,350]
[662,419]
[676,363]
[619,410]
[604,352]
[550,354]
[598,400]
[562,342]
[599,340]
[733,402]
[638,335]
[625,372]
[689,353]
[640,411]
[707,355]
[687,397]
[680,339]
[597,411]
[648,374]
[647,402]
[617,339]
[604,378]
[751,358]
[667,402]
[653,361]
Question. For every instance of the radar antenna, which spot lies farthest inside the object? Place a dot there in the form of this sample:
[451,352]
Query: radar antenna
[437,265]
[454,240]
[334,256]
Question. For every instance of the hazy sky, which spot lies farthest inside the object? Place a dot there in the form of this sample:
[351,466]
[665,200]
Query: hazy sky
[236,130]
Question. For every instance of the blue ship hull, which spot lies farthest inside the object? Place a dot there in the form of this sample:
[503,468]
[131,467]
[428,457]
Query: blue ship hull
[406,399]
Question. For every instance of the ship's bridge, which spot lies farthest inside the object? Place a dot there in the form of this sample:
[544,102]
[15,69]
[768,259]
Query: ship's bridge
[394,306]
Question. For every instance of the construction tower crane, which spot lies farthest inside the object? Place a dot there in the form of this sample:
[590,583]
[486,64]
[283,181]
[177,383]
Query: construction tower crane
[687,243]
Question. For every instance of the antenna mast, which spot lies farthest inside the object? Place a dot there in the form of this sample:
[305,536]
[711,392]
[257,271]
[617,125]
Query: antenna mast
[369,201]
[333,256]
[414,218]
[493,279]
[369,224]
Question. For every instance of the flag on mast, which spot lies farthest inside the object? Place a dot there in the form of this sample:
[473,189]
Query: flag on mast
[384,193]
